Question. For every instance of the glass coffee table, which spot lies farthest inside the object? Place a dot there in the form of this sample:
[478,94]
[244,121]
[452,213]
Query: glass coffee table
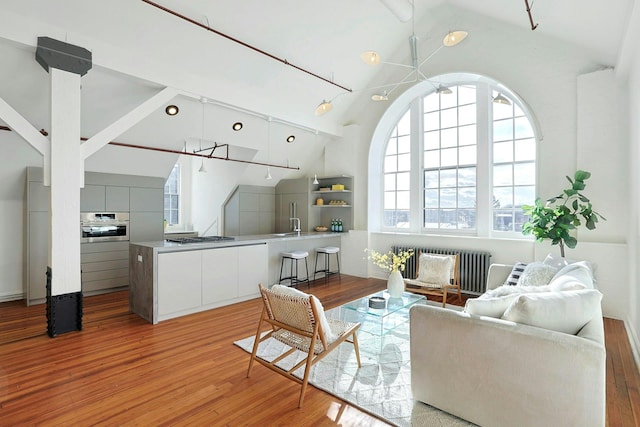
[380,321]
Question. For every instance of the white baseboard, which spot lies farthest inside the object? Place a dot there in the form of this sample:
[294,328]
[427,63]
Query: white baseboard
[632,336]
[5,297]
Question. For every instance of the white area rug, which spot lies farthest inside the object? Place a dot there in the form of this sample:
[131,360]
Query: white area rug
[382,386]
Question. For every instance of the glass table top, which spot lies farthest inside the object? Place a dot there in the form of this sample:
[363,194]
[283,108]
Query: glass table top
[392,305]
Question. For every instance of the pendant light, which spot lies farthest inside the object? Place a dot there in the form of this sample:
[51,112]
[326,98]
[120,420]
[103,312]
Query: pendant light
[268,175]
[315,175]
[202,169]
[501,99]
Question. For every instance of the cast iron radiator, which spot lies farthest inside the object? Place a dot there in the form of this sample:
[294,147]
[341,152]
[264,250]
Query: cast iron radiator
[474,266]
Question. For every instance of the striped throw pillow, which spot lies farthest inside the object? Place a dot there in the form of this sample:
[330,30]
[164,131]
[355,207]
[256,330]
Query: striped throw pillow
[515,274]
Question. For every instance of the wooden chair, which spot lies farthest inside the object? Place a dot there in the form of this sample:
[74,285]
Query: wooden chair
[298,320]
[423,284]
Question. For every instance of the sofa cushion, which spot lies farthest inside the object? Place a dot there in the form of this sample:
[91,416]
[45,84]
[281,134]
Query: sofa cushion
[537,274]
[434,268]
[490,306]
[515,274]
[324,323]
[581,271]
[564,312]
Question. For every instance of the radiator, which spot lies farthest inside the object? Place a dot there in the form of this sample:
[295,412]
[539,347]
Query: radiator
[474,266]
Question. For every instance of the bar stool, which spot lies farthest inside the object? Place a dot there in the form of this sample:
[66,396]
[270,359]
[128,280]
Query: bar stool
[326,251]
[294,257]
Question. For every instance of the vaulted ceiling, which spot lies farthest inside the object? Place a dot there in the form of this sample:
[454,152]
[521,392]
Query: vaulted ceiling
[138,49]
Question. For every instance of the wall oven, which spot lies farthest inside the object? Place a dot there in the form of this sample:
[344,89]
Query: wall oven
[104,227]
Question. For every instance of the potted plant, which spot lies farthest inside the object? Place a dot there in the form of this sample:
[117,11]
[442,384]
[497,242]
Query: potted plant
[560,215]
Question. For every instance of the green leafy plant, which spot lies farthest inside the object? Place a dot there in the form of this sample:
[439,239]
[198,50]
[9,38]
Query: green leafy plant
[556,218]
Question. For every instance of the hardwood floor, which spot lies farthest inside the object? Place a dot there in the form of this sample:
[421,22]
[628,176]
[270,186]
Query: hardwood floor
[120,370]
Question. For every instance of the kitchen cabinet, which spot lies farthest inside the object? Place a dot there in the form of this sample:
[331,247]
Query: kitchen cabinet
[146,226]
[219,274]
[104,198]
[37,250]
[198,279]
[146,199]
[179,281]
[249,210]
[105,266]
[116,199]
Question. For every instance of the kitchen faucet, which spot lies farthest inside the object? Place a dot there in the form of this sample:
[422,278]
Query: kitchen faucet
[296,225]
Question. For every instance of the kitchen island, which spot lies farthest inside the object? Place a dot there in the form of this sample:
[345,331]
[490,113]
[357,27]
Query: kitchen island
[168,279]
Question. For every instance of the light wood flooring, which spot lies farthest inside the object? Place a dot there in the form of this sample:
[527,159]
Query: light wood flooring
[121,370]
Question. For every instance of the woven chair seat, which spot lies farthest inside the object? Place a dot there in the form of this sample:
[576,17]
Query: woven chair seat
[299,342]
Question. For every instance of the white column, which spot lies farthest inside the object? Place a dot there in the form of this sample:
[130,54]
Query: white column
[66,171]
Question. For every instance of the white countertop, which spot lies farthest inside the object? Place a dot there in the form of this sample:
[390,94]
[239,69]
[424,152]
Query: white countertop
[164,246]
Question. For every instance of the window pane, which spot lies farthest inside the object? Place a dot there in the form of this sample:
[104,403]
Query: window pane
[467,114]
[448,219]
[432,140]
[468,155]
[431,198]
[404,181]
[448,198]
[404,162]
[392,147]
[450,99]
[404,125]
[466,95]
[467,197]
[431,179]
[524,174]
[404,144]
[502,175]
[449,137]
[523,128]
[431,159]
[403,199]
[432,121]
[503,130]
[431,102]
[467,135]
[431,219]
[503,152]
[525,150]
[467,177]
[390,164]
[503,197]
[448,178]
[503,220]
[449,157]
[524,196]
[389,200]
[449,118]
[466,218]
[389,182]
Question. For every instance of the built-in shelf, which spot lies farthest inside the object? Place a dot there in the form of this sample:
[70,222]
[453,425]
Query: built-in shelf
[332,206]
[331,191]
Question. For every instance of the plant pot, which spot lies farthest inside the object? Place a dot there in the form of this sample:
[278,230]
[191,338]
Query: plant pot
[395,284]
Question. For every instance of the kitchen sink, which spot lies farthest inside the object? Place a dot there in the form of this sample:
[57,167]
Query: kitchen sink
[285,234]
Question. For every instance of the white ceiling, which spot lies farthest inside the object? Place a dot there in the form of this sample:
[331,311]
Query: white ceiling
[138,49]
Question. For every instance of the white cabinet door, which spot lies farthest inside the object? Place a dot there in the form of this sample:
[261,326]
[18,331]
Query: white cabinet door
[179,281]
[219,274]
[252,269]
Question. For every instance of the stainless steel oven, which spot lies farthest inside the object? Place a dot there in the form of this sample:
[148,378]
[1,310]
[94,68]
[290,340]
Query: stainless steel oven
[104,227]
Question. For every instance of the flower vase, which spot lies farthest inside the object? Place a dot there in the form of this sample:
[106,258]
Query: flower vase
[395,284]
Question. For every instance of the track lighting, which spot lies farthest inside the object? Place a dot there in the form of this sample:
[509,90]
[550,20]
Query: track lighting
[443,90]
[370,57]
[268,175]
[454,37]
[384,96]
[315,179]
[202,169]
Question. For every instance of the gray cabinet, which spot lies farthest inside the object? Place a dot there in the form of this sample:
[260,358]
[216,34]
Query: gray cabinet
[146,226]
[105,265]
[147,199]
[37,256]
[92,198]
[249,210]
[116,199]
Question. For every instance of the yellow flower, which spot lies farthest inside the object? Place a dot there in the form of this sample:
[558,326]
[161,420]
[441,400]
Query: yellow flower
[390,261]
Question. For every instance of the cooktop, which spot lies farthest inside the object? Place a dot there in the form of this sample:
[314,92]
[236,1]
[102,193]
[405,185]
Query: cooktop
[199,239]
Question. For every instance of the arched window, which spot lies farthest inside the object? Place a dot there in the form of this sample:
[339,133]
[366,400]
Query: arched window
[459,162]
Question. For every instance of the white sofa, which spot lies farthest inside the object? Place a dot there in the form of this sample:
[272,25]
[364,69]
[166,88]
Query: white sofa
[495,372]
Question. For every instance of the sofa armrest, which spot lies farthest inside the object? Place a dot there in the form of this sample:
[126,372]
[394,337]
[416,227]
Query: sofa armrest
[496,373]
[498,274]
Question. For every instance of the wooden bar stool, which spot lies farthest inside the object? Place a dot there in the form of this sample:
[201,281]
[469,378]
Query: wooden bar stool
[326,251]
[293,258]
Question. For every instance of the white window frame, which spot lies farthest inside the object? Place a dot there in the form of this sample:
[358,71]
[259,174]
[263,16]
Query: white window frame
[412,99]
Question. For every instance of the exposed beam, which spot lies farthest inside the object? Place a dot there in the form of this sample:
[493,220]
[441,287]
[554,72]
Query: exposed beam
[23,128]
[102,138]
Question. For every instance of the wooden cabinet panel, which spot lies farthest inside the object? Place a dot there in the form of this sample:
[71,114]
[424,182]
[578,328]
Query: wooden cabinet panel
[179,281]
[219,274]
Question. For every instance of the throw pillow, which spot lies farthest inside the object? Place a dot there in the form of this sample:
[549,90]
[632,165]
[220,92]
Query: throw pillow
[515,274]
[434,268]
[564,312]
[490,307]
[329,336]
[581,271]
[537,274]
